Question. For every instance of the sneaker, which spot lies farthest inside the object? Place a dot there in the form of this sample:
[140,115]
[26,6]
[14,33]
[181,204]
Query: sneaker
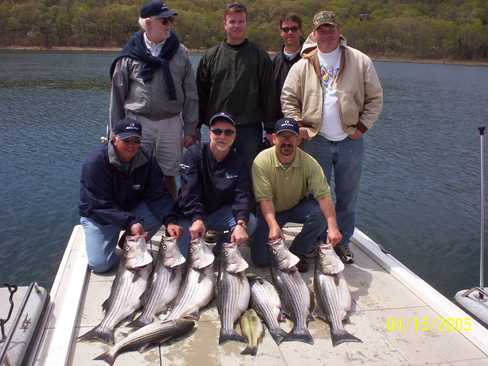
[344,254]
[211,236]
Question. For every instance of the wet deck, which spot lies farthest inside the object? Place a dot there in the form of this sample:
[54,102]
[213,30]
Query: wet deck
[383,289]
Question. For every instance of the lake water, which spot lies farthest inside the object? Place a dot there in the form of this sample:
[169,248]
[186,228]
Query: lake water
[420,187]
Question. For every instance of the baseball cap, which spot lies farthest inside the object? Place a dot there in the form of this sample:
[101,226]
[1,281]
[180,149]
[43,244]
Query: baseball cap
[128,127]
[222,116]
[324,17]
[156,8]
[288,125]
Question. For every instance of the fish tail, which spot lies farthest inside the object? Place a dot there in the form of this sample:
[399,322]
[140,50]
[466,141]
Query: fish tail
[302,335]
[342,336]
[226,336]
[98,333]
[107,357]
[278,335]
[250,350]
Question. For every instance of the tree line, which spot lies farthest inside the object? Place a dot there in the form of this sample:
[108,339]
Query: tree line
[434,29]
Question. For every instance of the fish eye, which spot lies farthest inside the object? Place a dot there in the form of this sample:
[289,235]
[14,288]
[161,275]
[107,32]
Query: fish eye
[165,246]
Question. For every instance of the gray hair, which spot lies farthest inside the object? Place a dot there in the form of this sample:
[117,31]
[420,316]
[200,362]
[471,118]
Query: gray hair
[142,23]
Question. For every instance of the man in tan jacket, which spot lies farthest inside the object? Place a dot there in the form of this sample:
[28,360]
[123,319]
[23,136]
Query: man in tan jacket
[335,95]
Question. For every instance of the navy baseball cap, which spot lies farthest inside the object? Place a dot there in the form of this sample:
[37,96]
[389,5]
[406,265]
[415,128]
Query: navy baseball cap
[222,116]
[128,127]
[287,125]
[156,8]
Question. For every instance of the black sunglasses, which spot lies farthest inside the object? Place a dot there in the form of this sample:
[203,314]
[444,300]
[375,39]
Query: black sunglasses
[236,6]
[289,29]
[226,132]
[166,21]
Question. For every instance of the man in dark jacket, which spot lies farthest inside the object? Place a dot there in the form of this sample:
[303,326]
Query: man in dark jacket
[121,189]
[235,76]
[291,34]
[216,188]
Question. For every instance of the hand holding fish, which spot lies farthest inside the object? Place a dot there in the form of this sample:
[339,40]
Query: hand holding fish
[138,230]
[334,236]
[275,232]
[239,235]
[197,229]
[174,230]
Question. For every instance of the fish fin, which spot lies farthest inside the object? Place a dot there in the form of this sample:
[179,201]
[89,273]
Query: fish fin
[147,346]
[106,304]
[139,322]
[194,315]
[303,336]
[278,335]
[231,336]
[98,334]
[107,357]
[250,351]
[342,337]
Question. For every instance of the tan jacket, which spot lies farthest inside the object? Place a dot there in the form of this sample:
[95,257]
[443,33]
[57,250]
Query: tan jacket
[358,88]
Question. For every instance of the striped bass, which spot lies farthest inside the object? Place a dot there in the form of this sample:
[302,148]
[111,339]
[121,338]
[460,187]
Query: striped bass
[233,292]
[164,283]
[253,330]
[333,298]
[294,293]
[152,334]
[267,303]
[124,299]
[199,285]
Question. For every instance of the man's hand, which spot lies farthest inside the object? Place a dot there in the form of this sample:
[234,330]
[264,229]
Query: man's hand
[357,134]
[174,230]
[197,229]
[138,230]
[188,141]
[334,236]
[304,133]
[239,235]
[275,233]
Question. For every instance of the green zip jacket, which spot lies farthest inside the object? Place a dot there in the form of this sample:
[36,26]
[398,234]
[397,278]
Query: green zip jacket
[238,80]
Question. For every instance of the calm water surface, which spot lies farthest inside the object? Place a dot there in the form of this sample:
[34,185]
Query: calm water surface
[420,186]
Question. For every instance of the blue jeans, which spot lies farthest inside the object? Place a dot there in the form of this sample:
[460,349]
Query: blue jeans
[101,240]
[345,159]
[249,139]
[220,220]
[308,213]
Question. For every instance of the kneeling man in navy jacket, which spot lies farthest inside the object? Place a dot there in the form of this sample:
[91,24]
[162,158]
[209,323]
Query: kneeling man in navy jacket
[122,188]
[216,189]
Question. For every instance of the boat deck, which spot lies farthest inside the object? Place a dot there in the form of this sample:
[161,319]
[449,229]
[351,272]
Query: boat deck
[400,319]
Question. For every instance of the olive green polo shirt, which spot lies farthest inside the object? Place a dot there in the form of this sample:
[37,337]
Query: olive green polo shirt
[287,186]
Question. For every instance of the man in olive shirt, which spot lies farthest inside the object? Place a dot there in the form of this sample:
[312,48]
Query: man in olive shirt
[289,185]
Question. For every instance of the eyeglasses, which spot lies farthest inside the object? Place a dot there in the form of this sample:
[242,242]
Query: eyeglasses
[134,141]
[289,29]
[220,131]
[166,21]
[326,28]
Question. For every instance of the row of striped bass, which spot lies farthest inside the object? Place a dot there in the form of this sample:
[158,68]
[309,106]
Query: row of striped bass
[266,301]
[152,334]
[164,283]
[294,293]
[233,292]
[332,294]
[125,295]
[198,286]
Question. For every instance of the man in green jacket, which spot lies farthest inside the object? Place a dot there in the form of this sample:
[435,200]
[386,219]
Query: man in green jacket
[335,95]
[236,77]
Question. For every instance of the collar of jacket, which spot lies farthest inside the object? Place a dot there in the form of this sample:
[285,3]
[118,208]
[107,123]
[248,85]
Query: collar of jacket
[137,161]
[310,52]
